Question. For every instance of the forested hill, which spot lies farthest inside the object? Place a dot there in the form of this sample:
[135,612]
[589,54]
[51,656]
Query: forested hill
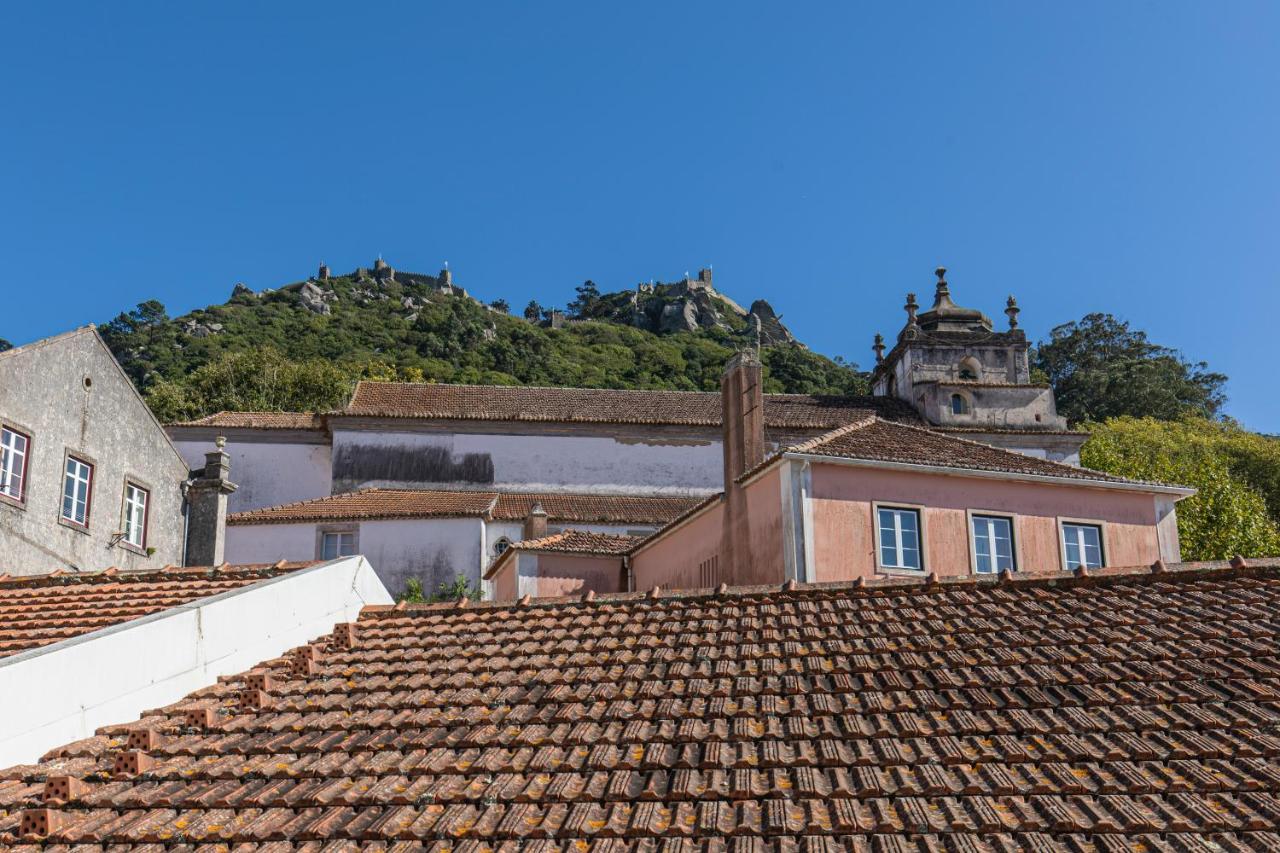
[302,345]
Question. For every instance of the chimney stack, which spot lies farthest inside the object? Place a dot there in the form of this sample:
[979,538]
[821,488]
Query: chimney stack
[535,524]
[742,400]
[207,509]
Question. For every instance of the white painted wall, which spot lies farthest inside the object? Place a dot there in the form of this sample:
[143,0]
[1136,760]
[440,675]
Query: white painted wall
[564,462]
[64,692]
[268,473]
[434,550]
[269,543]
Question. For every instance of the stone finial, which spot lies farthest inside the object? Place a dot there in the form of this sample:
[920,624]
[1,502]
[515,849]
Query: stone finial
[941,273]
[220,442]
[878,346]
[911,307]
[1012,310]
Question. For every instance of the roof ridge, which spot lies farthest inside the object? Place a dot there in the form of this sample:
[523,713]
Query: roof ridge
[1158,571]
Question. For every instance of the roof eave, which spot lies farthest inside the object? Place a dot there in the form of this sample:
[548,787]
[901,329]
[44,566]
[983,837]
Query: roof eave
[983,473]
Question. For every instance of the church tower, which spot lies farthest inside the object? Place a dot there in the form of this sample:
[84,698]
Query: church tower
[965,377]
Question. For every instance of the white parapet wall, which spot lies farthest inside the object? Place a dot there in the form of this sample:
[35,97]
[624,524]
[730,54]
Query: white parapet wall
[63,692]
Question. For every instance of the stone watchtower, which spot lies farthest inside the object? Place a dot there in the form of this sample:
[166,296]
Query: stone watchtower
[962,375]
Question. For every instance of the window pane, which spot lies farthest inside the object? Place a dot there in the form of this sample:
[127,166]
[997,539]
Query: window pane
[13,456]
[75,491]
[1083,545]
[899,538]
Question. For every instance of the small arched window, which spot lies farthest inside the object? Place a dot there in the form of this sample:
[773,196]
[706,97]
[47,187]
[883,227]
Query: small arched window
[501,545]
[969,368]
[959,405]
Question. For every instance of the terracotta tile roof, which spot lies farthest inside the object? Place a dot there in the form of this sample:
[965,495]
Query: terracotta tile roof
[580,542]
[1133,711]
[38,610]
[878,440]
[257,420]
[601,405]
[583,508]
[433,503]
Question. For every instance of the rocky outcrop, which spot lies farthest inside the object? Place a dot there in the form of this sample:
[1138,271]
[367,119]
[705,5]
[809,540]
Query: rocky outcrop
[692,304]
[316,299]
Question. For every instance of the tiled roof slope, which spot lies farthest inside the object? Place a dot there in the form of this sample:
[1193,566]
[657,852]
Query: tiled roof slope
[429,503]
[601,405]
[629,509]
[38,610]
[580,542]
[1128,712]
[256,420]
[878,440]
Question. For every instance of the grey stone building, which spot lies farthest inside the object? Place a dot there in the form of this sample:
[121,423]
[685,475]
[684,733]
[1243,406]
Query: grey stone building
[964,377]
[88,477]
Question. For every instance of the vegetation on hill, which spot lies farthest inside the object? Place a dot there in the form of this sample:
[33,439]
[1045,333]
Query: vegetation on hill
[1236,474]
[271,351]
[1101,368]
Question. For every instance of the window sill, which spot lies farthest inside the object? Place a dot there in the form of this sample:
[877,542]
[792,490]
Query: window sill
[141,551]
[71,525]
[899,570]
[16,503]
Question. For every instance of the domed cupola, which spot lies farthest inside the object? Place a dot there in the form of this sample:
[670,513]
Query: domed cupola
[946,316]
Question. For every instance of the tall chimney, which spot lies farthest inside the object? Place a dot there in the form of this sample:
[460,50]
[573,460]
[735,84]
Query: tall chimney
[207,509]
[535,524]
[742,399]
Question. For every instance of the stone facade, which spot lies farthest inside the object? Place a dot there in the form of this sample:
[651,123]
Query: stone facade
[69,399]
[961,374]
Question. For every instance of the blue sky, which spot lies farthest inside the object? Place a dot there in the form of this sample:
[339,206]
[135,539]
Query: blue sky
[1086,157]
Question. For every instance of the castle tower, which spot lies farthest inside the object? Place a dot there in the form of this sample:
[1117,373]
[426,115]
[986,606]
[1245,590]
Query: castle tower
[963,375]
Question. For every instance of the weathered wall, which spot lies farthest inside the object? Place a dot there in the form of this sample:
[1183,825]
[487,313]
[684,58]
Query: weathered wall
[626,460]
[433,550]
[844,536]
[68,394]
[268,467]
[686,558]
[568,574]
[1015,406]
[505,585]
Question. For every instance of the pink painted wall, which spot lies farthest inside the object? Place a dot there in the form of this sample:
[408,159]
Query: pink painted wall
[571,574]
[677,560]
[763,561]
[673,561]
[505,582]
[844,534]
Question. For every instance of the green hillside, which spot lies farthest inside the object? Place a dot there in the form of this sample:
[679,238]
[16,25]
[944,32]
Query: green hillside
[302,346]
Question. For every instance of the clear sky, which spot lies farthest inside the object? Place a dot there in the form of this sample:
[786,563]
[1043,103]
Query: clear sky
[1105,156]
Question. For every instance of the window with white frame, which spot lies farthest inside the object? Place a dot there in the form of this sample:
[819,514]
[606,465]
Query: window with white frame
[993,544]
[135,515]
[14,450]
[1082,545]
[899,531]
[337,543]
[76,485]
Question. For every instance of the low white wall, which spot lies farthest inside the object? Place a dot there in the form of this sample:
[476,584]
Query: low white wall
[64,692]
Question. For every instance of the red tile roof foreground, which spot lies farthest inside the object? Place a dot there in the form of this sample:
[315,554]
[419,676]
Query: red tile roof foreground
[603,405]
[257,420]
[1124,711]
[38,610]
[436,503]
